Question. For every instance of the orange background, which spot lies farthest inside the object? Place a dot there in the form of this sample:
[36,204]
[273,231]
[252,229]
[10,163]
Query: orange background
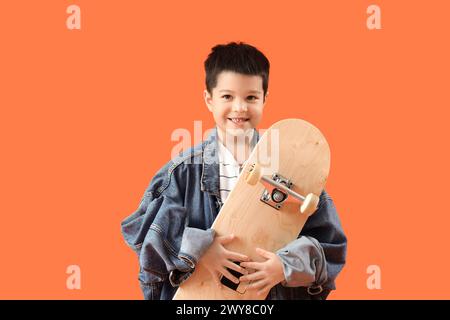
[87,115]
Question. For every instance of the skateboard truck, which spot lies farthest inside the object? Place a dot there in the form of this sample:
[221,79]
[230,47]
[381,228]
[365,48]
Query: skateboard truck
[278,190]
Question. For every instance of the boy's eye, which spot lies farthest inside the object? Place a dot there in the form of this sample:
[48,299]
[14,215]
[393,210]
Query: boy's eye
[226,96]
[252,97]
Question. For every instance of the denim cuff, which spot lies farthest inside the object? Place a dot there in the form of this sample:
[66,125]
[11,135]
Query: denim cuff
[194,244]
[304,263]
[177,277]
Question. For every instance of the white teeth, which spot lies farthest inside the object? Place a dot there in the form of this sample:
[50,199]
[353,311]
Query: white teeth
[238,120]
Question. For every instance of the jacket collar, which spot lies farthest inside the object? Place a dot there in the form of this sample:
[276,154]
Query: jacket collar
[210,162]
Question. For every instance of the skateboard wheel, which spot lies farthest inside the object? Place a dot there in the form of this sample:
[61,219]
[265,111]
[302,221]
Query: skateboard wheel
[310,204]
[254,174]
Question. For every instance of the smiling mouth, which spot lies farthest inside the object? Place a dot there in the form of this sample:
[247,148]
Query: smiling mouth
[238,120]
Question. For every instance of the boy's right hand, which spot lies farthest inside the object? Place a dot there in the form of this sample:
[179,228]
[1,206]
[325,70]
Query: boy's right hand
[217,259]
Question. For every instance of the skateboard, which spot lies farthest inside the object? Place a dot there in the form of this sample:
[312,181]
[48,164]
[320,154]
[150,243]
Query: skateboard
[277,190]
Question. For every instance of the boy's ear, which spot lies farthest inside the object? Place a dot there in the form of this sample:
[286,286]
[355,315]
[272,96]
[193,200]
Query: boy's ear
[265,97]
[208,99]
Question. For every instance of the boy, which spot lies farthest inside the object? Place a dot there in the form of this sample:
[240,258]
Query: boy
[171,230]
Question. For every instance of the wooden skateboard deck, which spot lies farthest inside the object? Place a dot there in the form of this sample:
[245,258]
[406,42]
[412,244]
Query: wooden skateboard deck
[294,150]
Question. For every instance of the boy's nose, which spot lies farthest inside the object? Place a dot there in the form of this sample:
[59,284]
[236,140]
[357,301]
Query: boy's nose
[239,106]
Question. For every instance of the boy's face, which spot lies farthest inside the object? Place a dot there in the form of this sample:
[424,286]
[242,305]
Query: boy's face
[237,102]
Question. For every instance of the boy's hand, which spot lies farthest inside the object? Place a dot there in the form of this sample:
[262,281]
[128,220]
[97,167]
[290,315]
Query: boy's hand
[217,259]
[267,274]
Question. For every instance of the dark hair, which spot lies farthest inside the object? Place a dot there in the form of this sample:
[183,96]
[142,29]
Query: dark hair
[237,57]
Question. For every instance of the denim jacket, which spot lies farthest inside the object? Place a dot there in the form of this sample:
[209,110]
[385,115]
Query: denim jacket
[171,229]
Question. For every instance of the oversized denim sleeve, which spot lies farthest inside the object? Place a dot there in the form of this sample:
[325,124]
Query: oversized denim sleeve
[325,226]
[304,263]
[156,229]
[318,255]
[194,243]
